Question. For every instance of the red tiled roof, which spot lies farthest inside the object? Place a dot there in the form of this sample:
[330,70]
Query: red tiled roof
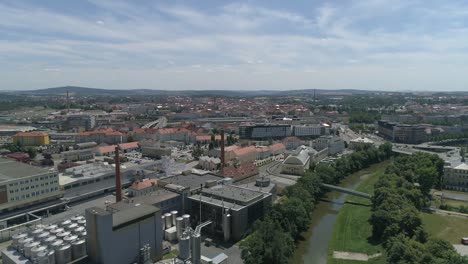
[107,149]
[107,132]
[259,150]
[292,139]
[277,146]
[231,148]
[129,145]
[241,172]
[244,151]
[172,130]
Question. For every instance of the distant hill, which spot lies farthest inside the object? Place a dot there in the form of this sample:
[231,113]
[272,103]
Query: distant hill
[86,91]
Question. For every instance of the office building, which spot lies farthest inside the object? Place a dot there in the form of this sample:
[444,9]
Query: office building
[80,122]
[23,185]
[264,131]
[400,133]
[456,177]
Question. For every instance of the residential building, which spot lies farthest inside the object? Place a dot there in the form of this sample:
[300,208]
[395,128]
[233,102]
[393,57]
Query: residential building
[107,136]
[172,134]
[209,163]
[456,177]
[31,139]
[142,187]
[22,185]
[106,150]
[128,147]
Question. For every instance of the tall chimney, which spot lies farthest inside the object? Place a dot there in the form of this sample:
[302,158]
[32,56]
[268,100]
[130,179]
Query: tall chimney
[223,164]
[118,181]
[68,103]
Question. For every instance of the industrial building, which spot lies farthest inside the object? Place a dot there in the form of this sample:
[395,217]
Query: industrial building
[78,155]
[80,122]
[231,209]
[456,177]
[22,184]
[31,138]
[118,237]
[298,162]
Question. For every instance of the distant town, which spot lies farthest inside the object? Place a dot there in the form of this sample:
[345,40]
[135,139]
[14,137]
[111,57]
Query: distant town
[93,176]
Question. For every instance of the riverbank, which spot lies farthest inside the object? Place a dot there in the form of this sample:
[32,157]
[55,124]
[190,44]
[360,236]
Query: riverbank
[352,231]
[314,248]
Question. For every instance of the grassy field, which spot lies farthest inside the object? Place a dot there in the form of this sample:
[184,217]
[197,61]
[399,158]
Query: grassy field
[455,203]
[352,230]
[449,228]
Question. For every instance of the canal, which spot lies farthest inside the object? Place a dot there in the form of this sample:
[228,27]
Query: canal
[314,248]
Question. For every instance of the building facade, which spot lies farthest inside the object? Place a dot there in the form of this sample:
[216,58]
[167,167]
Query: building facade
[31,139]
[456,177]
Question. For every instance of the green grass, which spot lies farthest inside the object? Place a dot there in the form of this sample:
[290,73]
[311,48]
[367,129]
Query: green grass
[455,203]
[173,254]
[449,228]
[352,229]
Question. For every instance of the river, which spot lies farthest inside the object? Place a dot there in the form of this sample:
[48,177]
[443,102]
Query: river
[314,248]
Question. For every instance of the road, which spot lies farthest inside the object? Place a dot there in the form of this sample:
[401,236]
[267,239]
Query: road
[271,169]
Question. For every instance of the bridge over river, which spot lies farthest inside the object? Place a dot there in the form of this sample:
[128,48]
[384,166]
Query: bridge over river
[346,190]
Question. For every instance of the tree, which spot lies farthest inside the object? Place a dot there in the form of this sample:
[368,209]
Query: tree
[32,152]
[130,138]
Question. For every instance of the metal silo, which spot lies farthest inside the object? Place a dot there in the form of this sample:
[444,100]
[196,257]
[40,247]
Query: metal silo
[64,234]
[163,221]
[36,232]
[63,254]
[46,257]
[22,242]
[69,239]
[36,250]
[28,247]
[184,247]
[65,223]
[174,216]
[79,230]
[56,244]
[179,226]
[82,222]
[196,248]
[71,227]
[186,220]
[49,240]
[50,227]
[227,225]
[42,236]
[56,231]
[168,219]
[78,249]
[17,237]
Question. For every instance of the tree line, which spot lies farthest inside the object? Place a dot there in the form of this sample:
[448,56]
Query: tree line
[274,236]
[399,196]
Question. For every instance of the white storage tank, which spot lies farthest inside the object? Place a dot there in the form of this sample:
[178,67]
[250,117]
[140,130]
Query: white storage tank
[168,219]
[174,216]
[24,241]
[49,240]
[46,257]
[78,249]
[196,248]
[83,234]
[186,220]
[69,239]
[57,230]
[77,218]
[50,227]
[15,238]
[36,232]
[82,222]
[65,223]
[79,230]
[226,225]
[56,244]
[28,247]
[64,234]
[163,221]
[36,250]
[179,226]
[42,236]
[63,254]
[71,227]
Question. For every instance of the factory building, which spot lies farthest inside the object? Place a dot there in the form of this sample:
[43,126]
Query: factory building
[117,237]
[22,185]
[231,209]
[78,155]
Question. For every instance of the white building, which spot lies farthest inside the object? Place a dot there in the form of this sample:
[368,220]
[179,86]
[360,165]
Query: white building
[297,163]
[22,185]
[360,142]
[456,177]
[209,163]
[309,130]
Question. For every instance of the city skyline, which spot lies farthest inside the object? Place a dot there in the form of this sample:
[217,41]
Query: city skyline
[264,45]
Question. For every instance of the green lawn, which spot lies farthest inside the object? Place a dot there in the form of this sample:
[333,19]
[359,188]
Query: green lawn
[352,230]
[449,228]
[173,254]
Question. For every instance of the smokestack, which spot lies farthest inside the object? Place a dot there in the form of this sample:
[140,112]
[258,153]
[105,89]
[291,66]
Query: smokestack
[223,164]
[118,181]
[68,103]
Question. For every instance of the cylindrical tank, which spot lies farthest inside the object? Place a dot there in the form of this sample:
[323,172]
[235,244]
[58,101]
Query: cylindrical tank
[49,240]
[63,254]
[71,227]
[186,220]
[36,232]
[168,219]
[50,227]
[46,257]
[83,234]
[15,238]
[79,230]
[184,247]
[77,218]
[65,223]
[227,226]
[174,216]
[78,249]
[57,230]
[69,239]
[36,250]
[24,241]
[29,246]
[179,226]
[63,234]
[56,244]
[82,222]
[163,221]
[196,248]
[42,236]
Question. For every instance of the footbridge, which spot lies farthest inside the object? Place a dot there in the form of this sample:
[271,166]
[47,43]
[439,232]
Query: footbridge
[347,191]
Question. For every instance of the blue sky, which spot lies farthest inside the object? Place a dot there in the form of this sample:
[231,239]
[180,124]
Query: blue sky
[174,45]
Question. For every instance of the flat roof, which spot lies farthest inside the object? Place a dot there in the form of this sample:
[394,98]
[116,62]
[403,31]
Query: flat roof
[150,199]
[11,169]
[132,214]
[233,193]
[191,180]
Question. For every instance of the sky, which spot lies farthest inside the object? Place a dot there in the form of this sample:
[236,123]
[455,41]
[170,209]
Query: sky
[249,45]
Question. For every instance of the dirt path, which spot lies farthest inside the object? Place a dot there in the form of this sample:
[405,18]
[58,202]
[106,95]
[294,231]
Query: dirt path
[354,256]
